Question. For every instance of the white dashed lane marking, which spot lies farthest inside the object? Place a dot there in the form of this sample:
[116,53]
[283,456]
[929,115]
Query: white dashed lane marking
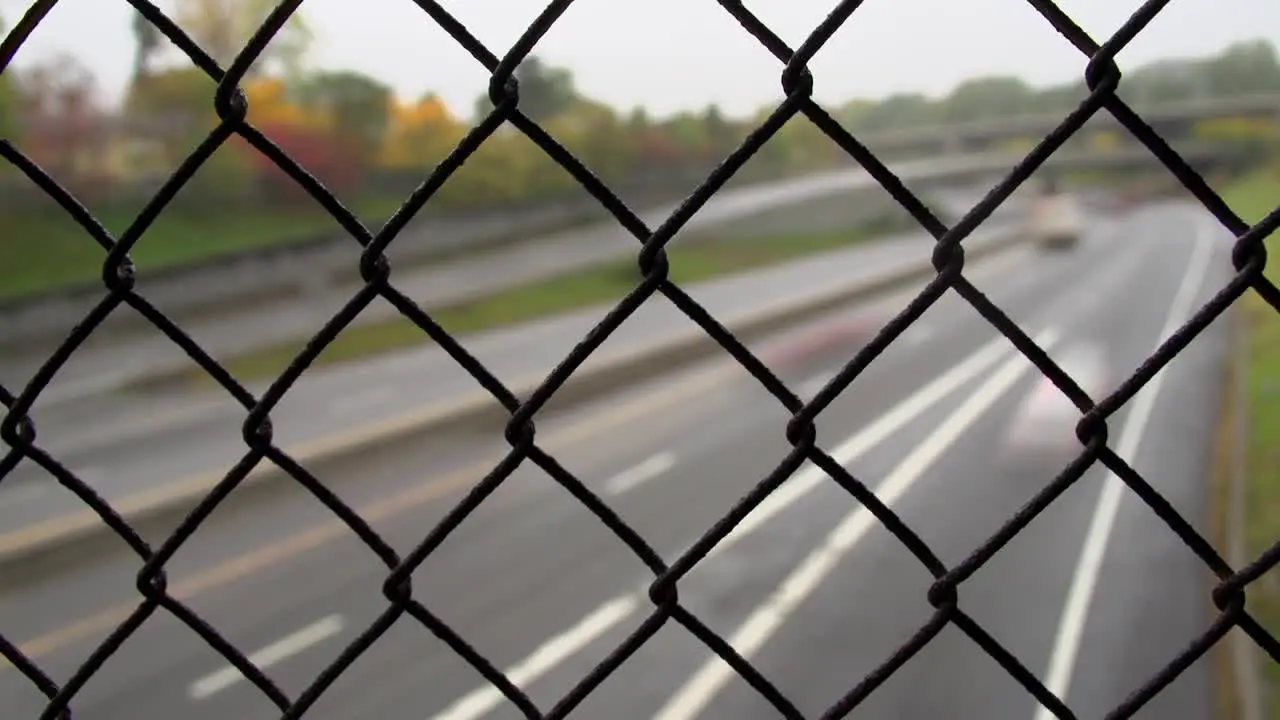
[273,654]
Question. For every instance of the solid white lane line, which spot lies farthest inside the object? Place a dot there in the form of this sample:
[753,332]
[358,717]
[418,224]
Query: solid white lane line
[693,697]
[802,482]
[551,653]
[809,476]
[277,652]
[637,475]
[1066,644]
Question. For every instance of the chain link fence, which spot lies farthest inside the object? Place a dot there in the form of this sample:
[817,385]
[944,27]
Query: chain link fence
[1103,78]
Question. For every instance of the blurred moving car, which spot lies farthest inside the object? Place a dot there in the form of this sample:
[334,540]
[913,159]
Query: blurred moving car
[1044,425]
[1056,220]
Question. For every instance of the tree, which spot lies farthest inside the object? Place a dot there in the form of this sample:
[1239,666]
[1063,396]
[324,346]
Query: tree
[499,171]
[60,90]
[988,97]
[638,120]
[721,135]
[1164,82]
[594,133]
[1242,69]
[175,105]
[9,105]
[223,28]
[851,113]
[172,108]
[59,112]
[147,40]
[656,148]
[896,112]
[545,91]
[333,164]
[690,136]
[357,106]
[305,131]
[273,102]
[799,144]
[419,134]
[1059,99]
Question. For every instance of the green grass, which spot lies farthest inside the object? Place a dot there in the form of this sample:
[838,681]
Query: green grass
[43,249]
[1252,198]
[689,263]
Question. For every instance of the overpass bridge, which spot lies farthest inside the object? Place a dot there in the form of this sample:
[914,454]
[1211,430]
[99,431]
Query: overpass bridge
[1170,120]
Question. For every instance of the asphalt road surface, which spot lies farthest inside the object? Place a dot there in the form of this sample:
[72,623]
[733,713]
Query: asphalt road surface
[105,362]
[81,406]
[1093,597]
[124,448]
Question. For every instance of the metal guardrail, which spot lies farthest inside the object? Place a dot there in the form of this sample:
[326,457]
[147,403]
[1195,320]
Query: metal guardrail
[1103,77]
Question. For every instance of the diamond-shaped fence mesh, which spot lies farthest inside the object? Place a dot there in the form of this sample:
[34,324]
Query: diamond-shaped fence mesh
[1102,76]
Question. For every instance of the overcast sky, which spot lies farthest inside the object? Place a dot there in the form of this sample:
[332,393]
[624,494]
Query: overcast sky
[670,55]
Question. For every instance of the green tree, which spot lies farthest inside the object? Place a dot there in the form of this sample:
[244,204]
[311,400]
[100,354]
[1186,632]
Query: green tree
[1164,82]
[358,106]
[799,144]
[987,97]
[1059,99]
[689,133]
[9,125]
[147,39]
[545,91]
[174,109]
[501,170]
[593,132]
[638,120]
[1242,69]
[897,112]
[851,113]
[178,98]
[721,135]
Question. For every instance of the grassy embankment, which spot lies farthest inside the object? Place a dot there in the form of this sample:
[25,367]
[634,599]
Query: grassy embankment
[47,250]
[689,263]
[1253,198]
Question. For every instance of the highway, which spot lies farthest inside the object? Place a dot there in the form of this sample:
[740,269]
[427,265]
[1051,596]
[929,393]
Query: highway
[123,448]
[807,589]
[115,356]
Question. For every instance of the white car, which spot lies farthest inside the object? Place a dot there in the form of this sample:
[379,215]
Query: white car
[1056,220]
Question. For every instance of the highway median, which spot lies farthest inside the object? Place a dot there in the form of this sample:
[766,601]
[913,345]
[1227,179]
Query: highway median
[530,301]
[73,538]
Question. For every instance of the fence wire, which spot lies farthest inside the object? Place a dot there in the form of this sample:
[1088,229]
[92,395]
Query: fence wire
[1102,77]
